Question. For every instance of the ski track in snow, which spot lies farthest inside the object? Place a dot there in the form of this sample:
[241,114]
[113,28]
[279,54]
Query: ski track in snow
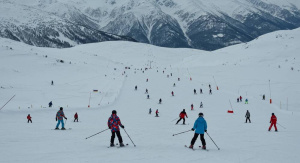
[239,70]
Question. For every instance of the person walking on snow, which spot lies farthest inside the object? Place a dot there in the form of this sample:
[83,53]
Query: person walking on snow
[247,117]
[182,115]
[113,124]
[192,107]
[76,117]
[156,112]
[59,116]
[200,126]
[246,101]
[273,121]
[29,118]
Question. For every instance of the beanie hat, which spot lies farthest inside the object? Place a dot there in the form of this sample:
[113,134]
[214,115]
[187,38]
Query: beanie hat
[200,114]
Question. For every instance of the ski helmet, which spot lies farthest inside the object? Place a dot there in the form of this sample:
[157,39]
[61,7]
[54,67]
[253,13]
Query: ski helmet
[61,108]
[114,112]
[200,114]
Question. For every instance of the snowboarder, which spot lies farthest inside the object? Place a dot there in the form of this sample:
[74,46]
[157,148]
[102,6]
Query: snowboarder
[113,124]
[273,121]
[192,107]
[135,88]
[247,117]
[201,91]
[200,126]
[182,115]
[246,101]
[29,118]
[150,111]
[146,91]
[210,91]
[52,83]
[195,92]
[76,117]
[50,104]
[59,116]
[172,93]
[201,105]
[264,97]
[148,96]
[159,101]
[238,100]
[156,112]
[174,85]
[241,98]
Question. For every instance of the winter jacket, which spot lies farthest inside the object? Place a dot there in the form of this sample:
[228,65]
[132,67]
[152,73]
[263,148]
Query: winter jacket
[182,114]
[60,114]
[200,125]
[247,114]
[76,116]
[28,117]
[273,119]
[114,122]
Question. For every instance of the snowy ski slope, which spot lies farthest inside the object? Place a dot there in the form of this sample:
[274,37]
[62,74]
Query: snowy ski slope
[243,69]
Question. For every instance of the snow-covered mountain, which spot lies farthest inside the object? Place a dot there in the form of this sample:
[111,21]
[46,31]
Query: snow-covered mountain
[200,24]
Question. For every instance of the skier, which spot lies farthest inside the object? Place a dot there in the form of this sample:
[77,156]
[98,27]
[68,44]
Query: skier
[182,115]
[210,92]
[172,93]
[148,96]
[178,79]
[171,74]
[150,111]
[147,80]
[200,126]
[76,117]
[246,101]
[247,117]
[209,86]
[241,98]
[160,101]
[29,118]
[264,97]
[135,87]
[50,104]
[238,100]
[273,122]
[174,85]
[201,91]
[156,112]
[146,91]
[195,91]
[59,116]
[52,82]
[192,107]
[113,124]
[201,105]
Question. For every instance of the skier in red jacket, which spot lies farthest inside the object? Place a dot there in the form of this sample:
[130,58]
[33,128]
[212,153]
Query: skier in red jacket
[76,117]
[182,115]
[273,122]
[29,118]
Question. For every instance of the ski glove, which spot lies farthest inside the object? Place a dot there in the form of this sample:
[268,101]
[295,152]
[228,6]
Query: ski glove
[205,130]
[193,129]
[66,118]
[122,126]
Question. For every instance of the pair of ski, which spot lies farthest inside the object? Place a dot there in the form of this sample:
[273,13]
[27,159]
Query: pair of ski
[117,146]
[61,129]
[195,149]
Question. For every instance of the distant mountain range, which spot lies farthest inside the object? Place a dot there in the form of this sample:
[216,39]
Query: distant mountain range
[200,24]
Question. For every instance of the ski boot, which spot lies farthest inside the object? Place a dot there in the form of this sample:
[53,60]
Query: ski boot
[204,147]
[191,146]
[63,128]
[276,131]
[112,145]
[121,145]
[56,128]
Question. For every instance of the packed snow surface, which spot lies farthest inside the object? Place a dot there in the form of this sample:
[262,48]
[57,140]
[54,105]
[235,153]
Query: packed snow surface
[268,65]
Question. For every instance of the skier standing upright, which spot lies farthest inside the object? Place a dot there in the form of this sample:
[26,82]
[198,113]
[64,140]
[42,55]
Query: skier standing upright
[182,115]
[59,116]
[200,126]
[50,104]
[247,117]
[29,118]
[76,117]
[201,105]
[195,92]
[113,124]
[273,121]
[156,112]
[192,106]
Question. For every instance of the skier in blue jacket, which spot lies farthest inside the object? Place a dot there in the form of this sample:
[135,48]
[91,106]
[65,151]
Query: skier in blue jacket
[200,126]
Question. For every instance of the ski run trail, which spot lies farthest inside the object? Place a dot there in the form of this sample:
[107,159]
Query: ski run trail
[248,70]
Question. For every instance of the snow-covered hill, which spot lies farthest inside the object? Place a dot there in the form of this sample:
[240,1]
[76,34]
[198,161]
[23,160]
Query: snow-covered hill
[199,24]
[245,69]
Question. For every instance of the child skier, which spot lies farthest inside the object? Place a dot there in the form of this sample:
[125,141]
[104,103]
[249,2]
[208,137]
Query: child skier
[76,117]
[246,101]
[247,117]
[59,116]
[200,126]
[273,121]
[182,115]
[29,118]
[156,112]
[113,124]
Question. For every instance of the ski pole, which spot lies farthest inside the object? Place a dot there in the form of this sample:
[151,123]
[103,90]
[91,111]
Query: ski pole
[281,125]
[129,137]
[213,141]
[182,132]
[97,133]
[7,102]
[174,119]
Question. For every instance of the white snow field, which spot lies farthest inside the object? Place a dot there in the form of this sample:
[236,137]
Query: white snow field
[243,69]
